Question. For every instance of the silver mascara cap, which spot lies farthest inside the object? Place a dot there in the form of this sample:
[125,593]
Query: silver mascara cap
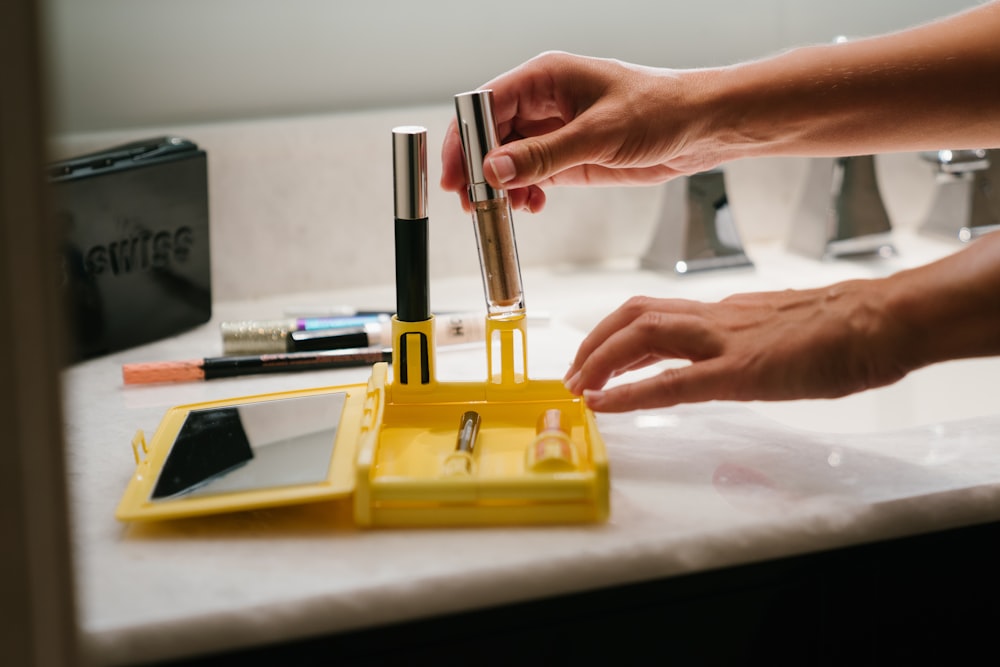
[478,129]
[409,167]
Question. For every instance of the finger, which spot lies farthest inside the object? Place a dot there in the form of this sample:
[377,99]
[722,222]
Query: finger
[452,166]
[617,320]
[529,91]
[536,199]
[536,159]
[613,322]
[454,178]
[591,174]
[531,199]
[463,199]
[638,364]
[629,347]
[651,336]
[699,382]
[521,128]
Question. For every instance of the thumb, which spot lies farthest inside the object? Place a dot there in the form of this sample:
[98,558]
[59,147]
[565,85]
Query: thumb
[533,160]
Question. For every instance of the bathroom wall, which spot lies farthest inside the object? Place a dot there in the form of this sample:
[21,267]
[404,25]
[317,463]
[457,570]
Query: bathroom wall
[294,102]
[117,64]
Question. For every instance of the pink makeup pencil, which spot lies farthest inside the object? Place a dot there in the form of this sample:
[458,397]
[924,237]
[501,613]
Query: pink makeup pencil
[211,368]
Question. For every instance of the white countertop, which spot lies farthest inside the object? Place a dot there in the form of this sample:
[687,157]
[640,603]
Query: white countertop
[692,488]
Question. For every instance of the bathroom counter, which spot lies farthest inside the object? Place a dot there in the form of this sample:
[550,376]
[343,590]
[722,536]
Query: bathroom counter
[694,488]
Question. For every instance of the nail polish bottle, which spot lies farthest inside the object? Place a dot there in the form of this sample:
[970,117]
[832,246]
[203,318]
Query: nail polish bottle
[552,450]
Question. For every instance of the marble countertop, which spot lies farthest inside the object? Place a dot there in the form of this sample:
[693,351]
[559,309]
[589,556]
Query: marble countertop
[692,487]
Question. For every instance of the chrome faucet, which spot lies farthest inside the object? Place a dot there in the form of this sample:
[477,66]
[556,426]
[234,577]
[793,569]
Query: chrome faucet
[965,204]
[841,212]
[695,228]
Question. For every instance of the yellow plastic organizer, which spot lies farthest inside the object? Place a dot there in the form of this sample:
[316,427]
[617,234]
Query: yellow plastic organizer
[538,458]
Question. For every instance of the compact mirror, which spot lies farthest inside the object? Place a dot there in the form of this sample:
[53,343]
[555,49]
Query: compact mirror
[251,446]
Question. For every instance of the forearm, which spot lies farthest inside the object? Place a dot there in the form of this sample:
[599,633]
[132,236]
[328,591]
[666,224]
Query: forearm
[929,87]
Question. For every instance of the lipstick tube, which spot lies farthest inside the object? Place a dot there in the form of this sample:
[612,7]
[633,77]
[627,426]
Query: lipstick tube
[490,208]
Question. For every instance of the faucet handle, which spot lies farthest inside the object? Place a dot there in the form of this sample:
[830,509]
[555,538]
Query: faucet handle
[840,212]
[963,204]
[947,161]
[695,230]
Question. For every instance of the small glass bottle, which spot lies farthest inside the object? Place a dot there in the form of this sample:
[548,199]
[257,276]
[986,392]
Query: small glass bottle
[490,208]
[552,450]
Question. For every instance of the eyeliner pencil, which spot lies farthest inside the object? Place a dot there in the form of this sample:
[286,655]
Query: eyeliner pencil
[224,367]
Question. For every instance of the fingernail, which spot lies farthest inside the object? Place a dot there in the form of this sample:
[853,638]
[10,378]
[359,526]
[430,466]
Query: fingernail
[503,167]
[571,382]
[592,396]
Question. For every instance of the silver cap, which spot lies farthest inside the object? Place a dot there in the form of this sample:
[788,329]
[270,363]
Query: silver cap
[478,129]
[249,337]
[409,166]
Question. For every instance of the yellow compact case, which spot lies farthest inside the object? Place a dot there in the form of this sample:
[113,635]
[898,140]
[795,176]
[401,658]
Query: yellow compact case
[406,447]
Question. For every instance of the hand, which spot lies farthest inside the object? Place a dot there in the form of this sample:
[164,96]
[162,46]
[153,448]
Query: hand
[571,120]
[819,343]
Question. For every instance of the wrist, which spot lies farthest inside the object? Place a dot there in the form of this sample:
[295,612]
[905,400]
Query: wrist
[779,106]
[950,309]
[753,109]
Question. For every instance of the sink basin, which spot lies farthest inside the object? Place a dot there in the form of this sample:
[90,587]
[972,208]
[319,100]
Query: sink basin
[944,392]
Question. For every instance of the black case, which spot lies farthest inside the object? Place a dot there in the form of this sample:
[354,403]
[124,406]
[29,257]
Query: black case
[136,266]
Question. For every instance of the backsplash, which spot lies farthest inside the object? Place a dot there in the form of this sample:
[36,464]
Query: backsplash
[305,203]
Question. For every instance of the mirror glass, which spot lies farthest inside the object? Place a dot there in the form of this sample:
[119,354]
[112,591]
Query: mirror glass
[251,446]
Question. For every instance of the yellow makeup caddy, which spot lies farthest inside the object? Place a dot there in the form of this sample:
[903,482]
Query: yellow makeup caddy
[408,449]
[390,446]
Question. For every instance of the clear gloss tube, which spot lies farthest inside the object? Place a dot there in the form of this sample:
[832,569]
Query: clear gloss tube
[491,212]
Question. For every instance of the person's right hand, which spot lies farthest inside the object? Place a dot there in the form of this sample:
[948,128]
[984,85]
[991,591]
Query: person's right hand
[815,343]
[571,120]
[823,342]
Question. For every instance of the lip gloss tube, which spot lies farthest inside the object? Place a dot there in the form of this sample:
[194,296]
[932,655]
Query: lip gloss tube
[461,461]
[490,208]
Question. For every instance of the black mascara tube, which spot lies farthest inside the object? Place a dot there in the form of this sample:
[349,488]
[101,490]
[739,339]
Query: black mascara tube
[409,157]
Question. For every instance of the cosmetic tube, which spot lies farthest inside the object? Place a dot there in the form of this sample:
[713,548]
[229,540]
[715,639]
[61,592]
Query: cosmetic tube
[409,144]
[271,336]
[461,461]
[490,208]
[276,336]
[413,324]
[211,368]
